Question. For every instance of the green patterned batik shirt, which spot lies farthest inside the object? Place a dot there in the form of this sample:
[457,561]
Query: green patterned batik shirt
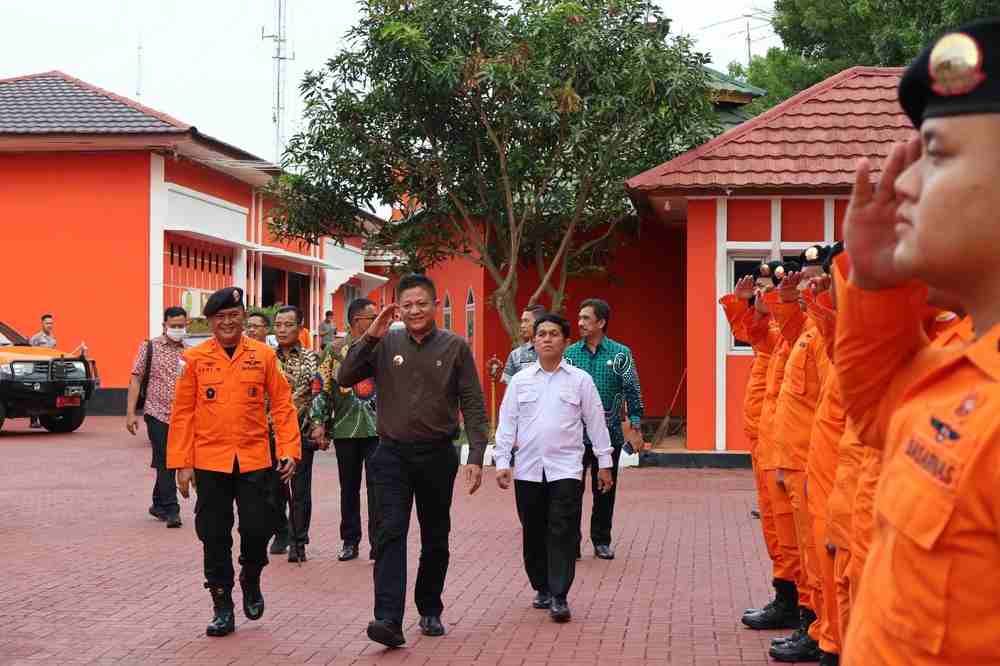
[353,408]
[613,369]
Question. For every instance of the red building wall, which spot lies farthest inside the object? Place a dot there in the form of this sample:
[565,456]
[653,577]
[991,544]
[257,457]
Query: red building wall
[74,229]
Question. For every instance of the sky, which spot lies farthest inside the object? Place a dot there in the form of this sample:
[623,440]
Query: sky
[204,61]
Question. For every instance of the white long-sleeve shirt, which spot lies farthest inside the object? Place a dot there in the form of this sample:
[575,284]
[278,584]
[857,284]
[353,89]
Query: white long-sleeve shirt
[544,413]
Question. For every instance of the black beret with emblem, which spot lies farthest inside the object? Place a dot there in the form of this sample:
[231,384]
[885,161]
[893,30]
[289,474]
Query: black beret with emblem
[831,254]
[813,256]
[771,270]
[223,299]
[959,74]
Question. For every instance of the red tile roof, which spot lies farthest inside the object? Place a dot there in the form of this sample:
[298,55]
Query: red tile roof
[810,141]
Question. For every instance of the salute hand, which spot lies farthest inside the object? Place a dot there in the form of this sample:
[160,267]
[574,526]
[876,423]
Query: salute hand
[744,288]
[380,326]
[869,226]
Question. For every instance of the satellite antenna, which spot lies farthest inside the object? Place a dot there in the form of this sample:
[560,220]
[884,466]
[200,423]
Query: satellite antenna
[280,58]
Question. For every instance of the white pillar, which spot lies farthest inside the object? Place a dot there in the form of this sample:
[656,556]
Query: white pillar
[158,203]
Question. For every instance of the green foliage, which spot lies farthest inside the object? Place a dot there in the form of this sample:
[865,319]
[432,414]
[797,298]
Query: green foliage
[823,37]
[506,129]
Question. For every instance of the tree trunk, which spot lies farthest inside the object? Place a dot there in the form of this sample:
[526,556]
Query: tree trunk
[505,301]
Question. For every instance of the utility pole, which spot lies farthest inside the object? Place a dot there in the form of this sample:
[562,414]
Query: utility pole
[748,44]
[138,70]
[280,58]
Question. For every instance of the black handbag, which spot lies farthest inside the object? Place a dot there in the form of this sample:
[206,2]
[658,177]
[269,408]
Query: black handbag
[144,385]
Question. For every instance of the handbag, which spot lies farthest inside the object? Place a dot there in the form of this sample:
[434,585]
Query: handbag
[144,384]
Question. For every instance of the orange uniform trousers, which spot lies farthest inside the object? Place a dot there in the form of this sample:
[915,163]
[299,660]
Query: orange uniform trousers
[767,522]
[863,520]
[787,537]
[841,577]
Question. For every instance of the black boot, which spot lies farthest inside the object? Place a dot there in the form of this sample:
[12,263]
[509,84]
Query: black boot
[224,622]
[253,600]
[782,614]
[829,659]
[803,650]
[770,604]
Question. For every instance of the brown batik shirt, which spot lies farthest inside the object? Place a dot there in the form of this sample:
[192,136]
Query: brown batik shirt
[421,387]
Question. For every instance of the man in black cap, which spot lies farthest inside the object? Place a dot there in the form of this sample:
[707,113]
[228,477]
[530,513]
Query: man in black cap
[219,441]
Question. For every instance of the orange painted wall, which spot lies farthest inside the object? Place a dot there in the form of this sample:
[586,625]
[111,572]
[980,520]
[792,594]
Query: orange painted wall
[701,320]
[74,229]
[193,264]
[200,177]
[749,220]
[737,376]
[801,220]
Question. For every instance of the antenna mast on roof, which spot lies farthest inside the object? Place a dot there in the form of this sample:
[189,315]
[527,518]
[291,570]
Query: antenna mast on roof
[138,70]
[280,57]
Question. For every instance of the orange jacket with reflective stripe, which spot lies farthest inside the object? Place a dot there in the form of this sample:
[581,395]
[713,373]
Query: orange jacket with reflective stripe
[218,415]
[931,593]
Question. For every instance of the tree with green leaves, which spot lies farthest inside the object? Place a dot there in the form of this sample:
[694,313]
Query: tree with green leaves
[502,132]
[823,37]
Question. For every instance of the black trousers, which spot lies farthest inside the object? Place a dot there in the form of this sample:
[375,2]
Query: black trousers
[353,456]
[550,516]
[302,498]
[254,496]
[604,503]
[281,524]
[404,473]
[165,485]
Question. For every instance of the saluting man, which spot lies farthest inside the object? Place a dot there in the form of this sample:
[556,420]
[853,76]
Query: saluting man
[219,441]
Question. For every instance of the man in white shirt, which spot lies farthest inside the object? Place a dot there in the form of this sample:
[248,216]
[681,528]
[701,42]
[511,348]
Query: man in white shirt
[544,411]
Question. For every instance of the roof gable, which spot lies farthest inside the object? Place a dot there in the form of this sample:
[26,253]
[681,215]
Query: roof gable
[56,103]
[811,140]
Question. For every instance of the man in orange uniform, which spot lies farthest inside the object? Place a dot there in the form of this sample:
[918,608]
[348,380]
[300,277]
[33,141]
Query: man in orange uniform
[930,593]
[751,324]
[783,611]
[821,468]
[219,441]
[797,403]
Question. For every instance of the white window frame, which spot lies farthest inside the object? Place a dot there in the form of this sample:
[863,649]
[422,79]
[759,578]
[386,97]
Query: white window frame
[446,313]
[351,292]
[731,258]
[470,317]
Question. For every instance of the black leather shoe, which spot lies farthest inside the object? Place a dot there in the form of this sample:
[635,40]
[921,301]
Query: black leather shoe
[253,600]
[372,554]
[348,552]
[156,513]
[280,543]
[604,552]
[804,650]
[174,520]
[793,638]
[559,610]
[387,633]
[224,621]
[754,611]
[297,553]
[430,625]
[542,601]
[755,514]
[829,659]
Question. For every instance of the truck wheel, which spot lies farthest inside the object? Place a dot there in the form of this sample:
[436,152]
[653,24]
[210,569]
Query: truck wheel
[67,420]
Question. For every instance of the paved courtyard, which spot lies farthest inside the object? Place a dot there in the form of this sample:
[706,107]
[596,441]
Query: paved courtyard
[89,577]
